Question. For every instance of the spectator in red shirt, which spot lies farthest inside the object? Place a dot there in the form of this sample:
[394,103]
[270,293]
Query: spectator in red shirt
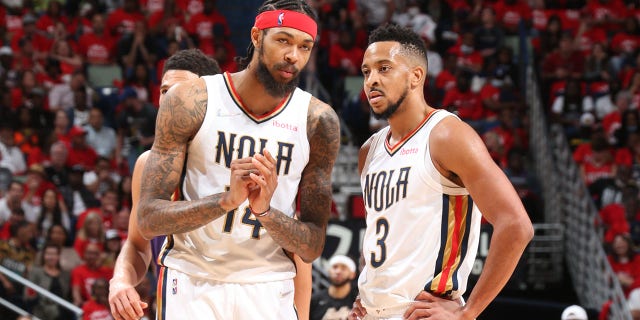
[97,308]
[107,210]
[98,46]
[30,42]
[190,7]
[511,12]
[564,62]
[225,57]
[446,79]
[468,57]
[540,15]
[589,34]
[345,59]
[54,14]
[85,275]
[80,153]
[151,7]
[507,135]
[625,262]
[159,21]
[464,102]
[90,230]
[600,165]
[608,14]
[122,20]
[69,61]
[201,26]
[625,44]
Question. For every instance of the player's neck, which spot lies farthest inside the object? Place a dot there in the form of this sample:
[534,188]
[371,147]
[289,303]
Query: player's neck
[407,118]
[341,291]
[253,93]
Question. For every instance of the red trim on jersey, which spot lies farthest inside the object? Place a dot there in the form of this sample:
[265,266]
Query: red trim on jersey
[454,259]
[393,149]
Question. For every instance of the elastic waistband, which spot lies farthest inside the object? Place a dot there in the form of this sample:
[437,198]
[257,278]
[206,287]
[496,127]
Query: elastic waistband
[392,312]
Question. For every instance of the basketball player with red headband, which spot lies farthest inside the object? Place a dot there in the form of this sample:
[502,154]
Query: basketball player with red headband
[254,142]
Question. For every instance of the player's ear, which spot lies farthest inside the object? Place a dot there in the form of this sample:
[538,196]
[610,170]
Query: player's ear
[255,36]
[417,76]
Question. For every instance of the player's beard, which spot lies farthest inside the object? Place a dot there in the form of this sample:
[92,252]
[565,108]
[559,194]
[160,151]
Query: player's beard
[274,87]
[391,108]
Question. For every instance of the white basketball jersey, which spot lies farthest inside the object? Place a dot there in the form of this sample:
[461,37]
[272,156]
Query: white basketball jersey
[422,229]
[235,247]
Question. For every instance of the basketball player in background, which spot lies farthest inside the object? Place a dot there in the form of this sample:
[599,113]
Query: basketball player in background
[253,140]
[137,252]
[426,178]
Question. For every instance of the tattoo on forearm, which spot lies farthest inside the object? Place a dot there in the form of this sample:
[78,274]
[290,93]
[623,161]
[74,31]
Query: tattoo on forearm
[306,237]
[178,120]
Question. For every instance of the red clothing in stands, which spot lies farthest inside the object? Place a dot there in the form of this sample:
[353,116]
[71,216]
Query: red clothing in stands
[540,18]
[473,60]
[47,23]
[85,157]
[593,172]
[573,62]
[158,19]
[354,55]
[201,25]
[492,92]
[151,6]
[590,37]
[570,19]
[604,12]
[631,268]
[509,16]
[445,80]
[84,278]
[120,22]
[625,43]
[91,310]
[96,49]
[466,104]
[190,7]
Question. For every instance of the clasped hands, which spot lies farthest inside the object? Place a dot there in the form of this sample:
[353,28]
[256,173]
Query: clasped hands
[253,178]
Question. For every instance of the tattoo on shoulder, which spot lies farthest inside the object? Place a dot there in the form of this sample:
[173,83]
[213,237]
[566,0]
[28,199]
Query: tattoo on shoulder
[181,114]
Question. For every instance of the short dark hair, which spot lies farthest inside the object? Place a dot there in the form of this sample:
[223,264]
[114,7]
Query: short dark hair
[409,40]
[192,60]
[293,5]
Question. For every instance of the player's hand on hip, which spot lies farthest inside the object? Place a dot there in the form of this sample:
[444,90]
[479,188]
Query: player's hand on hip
[358,311]
[428,306]
[125,302]
[266,181]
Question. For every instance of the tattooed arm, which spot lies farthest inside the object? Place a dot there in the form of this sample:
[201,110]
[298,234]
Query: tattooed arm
[179,118]
[306,237]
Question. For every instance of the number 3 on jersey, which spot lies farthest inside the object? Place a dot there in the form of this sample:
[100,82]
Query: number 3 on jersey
[382,230]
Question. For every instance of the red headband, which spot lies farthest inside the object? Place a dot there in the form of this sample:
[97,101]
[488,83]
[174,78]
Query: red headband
[287,18]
